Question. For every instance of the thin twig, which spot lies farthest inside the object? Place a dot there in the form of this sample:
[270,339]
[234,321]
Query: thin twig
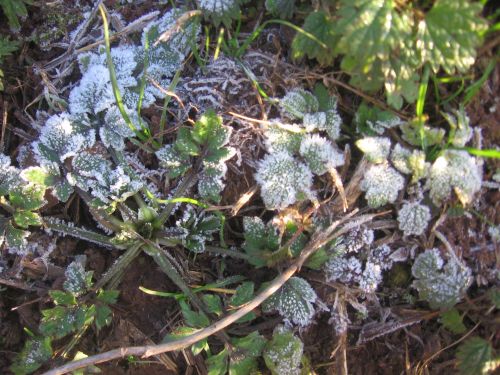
[318,240]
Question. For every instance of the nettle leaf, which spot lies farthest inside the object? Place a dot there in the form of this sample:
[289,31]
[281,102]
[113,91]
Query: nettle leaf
[376,149]
[382,184]
[35,353]
[413,218]
[221,10]
[176,163]
[16,239]
[281,8]
[259,240]
[449,34]
[283,139]
[322,26]
[9,175]
[217,364]
[78,281]
[283,354]
[442,287]
[62,137]
[108,296]
[248,349]
[475,357]
[26,218]
[114,130]
[197,229]
[453,322]
[103,317]
[62,298]
[319,154]
[49,177]
[244,293]
[298,102]
[293,301]
[29,197]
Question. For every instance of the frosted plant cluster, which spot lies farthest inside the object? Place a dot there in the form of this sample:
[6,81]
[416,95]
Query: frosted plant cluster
[297,151]
[346,263]
[441,285]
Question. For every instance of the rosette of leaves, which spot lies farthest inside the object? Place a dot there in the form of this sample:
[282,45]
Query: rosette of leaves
[221,10]
[196,229]
[208,141]
[69,316]
[106,183]
[243,359]
[293,301]
[441,285]
[21,201]
[385,44]
[266,245]
[283,353]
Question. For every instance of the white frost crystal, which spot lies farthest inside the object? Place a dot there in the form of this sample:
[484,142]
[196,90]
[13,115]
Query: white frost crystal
[345,270]
[413,218]
[376,149]
[294,301]
[283,180]
[94,93]
[319,154]
[381,184]
[280,139]
[455,170]
[442,287]
[298,102]
[283,354]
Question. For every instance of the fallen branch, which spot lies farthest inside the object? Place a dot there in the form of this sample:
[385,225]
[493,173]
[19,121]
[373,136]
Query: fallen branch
[318,240]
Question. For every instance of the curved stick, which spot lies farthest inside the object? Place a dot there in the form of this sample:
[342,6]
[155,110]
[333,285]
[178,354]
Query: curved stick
[149,350]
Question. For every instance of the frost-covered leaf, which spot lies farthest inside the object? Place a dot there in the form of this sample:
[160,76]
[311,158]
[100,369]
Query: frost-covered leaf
[221,10]
[298,102]
[77,279]
[35,353]
[373,120]
[293,301]
[279,138]
[381,184]
[413,162]
[283,180]
[420,136]
[281,8]
[283,354]
[442,287]
[413,218]
[16,239]
[461,132]
[475,357]
[9,175]
[345,270]
[197,229]
[94,92]
[247,351]
[454,170]
[322,26]
[61,321]
[448,35]
[62,137]
[49,177]
[319,154]
[376,149]
[176,163]
[114,129]
[259,239]
[26,218]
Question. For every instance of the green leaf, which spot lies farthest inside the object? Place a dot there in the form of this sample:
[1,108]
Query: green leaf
[59,321]
[181,332]
[449,34]
[213,303]
[28,198]
[103,316]
[38,176]
[244,293]
[281,8]
[192,318]
[34,354]
[7,46]
[217,364]
[62,298]
[474,356]
[318,259]
[208,130]
[322,26]
[13,9]
[26,218]
[108,296]
[244,360]
[452,321]
[185,143]
[16,238]
[283,353]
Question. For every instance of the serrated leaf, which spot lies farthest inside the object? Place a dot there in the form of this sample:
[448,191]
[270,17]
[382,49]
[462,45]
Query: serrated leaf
[28,198]
[176,163]
[103,316]
[181,332]
[77,279]
[192,318]
[16,238]
[217,364]
[452,321]
[318,259]
[213,303]
[244,293]
[35,353]
[185,144]
[26,218]
[244,360]
[108,296]
[294,301]
[449,34]
[322,26]
[283,353]
[474,355]
[62,298]
[221,10]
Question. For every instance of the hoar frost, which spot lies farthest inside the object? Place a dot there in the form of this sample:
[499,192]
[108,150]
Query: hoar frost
[413,218]
[319,154]
[381,184]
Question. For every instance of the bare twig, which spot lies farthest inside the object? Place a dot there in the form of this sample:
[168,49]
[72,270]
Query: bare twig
[150,350]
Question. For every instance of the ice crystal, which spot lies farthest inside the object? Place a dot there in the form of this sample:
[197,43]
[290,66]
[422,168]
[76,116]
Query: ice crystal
[280,139]
[356,239]
[319,154]
[376,149]
[283,180]
[62,137]
[283,354]
[294,301]
[413,218]
[298,102]
[455,170]
[314,121]
[442,287]
[381,184]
